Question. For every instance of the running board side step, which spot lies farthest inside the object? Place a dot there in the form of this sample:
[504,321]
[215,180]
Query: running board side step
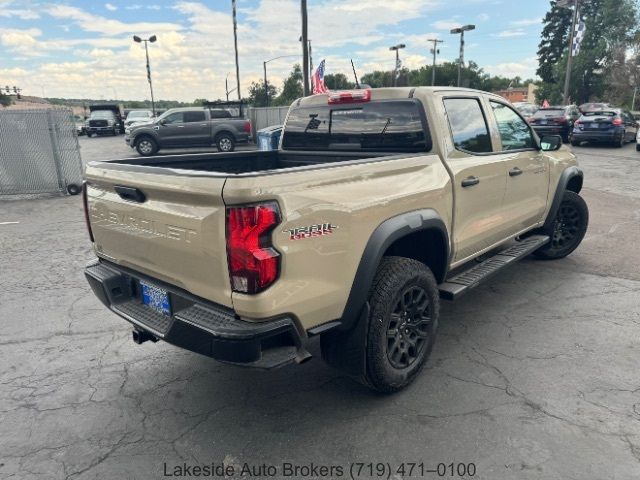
[461,283]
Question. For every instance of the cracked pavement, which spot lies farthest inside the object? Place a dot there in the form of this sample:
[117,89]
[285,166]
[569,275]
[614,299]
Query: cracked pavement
[534,375]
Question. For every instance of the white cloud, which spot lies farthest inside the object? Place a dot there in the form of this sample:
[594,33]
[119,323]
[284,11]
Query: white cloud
[526,68]
[527,22]
[446,24]
[154,7]
[483,17]
[111,7]
[510,33]
[135,6]
[106,26]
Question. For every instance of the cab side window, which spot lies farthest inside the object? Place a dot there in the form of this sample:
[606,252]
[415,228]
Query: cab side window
[174,118]
[514,131]
[195,116]
[468,125]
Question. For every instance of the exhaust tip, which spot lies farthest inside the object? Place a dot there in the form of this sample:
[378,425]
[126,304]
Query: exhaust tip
[140,337]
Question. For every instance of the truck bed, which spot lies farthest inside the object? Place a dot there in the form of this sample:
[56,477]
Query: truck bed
[239,163]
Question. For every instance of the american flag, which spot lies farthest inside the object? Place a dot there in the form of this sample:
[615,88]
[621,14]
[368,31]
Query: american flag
[318,80]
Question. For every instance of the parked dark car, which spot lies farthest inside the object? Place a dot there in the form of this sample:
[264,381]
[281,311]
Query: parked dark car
[555,121]
[613,126]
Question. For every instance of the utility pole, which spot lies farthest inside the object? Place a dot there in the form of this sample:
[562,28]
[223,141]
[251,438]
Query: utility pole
[235,45]
[435,50]
[397,49]
[305,47]
[461,31]
[574,21]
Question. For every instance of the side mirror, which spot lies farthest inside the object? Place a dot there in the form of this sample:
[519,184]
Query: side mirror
[551,143]
[163,122]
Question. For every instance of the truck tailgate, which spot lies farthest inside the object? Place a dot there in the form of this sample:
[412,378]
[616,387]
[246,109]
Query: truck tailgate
[175,232]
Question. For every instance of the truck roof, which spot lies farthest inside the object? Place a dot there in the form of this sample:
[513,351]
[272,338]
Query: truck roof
[396,93]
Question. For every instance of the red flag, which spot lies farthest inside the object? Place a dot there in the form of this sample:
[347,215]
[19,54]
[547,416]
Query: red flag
[545,104]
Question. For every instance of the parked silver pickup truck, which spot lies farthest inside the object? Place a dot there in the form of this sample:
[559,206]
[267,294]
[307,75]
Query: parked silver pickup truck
[189,127]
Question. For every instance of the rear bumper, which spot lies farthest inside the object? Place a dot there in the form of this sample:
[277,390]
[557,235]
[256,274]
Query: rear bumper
[589,136]
[551,130]
[195,324]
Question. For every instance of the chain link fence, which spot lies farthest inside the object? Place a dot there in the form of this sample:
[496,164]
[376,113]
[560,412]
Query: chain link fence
[39,152]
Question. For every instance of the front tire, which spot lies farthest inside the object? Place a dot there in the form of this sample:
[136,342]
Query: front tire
[89,134]
[405,309]
[225,143]
[146,146]
[637,147]
[569,228]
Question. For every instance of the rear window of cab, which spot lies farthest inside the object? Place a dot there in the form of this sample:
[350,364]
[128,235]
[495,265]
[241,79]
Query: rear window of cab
[387,125]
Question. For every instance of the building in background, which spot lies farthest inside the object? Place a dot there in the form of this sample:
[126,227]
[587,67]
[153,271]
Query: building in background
[524,94]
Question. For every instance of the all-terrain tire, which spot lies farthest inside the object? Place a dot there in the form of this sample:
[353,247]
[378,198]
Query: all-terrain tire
[403,321]
[568,229]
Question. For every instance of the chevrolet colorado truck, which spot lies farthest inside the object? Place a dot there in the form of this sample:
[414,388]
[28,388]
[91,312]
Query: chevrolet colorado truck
[378,204]
[189,127]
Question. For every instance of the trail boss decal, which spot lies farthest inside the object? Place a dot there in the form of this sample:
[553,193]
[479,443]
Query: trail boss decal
[310,231]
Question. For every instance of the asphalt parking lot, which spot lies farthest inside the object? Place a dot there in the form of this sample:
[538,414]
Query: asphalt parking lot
[534,375]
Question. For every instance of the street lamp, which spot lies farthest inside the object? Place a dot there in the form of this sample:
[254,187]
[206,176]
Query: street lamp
[151,39]
[266,85]
[397,49]
[461,31]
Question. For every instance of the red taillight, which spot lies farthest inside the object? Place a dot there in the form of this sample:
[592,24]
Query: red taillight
[247,127]
[349,96]
[531,120]
[253,262]
[617,121]
[85,204]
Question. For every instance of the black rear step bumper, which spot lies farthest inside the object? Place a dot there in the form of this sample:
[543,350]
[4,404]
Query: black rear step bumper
[195,324]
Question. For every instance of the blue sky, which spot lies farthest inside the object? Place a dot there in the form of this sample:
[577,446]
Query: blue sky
[80,48]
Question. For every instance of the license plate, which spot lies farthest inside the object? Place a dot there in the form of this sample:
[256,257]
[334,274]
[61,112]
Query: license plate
[155,298]
[543,122]
[594,125]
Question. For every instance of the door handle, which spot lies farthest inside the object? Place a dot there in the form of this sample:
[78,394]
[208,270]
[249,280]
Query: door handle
[130,193]
[470,182]
[514,172]
[180,126]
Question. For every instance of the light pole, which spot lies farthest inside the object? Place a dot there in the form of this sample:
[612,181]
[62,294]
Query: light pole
[235,45]
[435,50]
[397,49]
[305,48]
[461,31]
[151,39]
[567,75]
[266,85]
[310,58]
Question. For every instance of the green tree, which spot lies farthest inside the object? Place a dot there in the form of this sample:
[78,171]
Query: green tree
[338,81]
[257,96]
[200,101]
[5,100]
[292,88]
[610,28]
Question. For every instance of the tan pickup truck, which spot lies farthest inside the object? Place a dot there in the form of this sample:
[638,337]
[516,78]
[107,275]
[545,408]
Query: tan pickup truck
[378,204]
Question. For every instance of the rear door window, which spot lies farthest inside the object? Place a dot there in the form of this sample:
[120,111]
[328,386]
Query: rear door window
[468,125]
[396,126]
[195,116]
[176,117]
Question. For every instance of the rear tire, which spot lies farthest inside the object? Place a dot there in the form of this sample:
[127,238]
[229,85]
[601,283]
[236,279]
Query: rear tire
[225,143]
[405,309]
[619,143]
[89,134]
[146,146]
[575,143]
[568,229]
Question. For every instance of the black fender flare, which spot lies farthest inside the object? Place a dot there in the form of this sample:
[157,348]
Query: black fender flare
[380,240]
[567,175]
